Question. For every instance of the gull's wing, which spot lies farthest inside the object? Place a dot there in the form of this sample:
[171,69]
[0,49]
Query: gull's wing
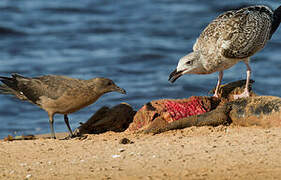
[236,34]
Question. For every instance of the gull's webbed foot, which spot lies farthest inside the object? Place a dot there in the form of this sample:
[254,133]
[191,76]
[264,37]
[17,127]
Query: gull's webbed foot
[245,94]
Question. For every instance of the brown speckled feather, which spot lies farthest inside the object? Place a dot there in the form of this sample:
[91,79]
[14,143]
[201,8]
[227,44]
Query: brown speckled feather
[236,34]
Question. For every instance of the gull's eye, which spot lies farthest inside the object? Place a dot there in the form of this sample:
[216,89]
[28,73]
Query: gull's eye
[188,63]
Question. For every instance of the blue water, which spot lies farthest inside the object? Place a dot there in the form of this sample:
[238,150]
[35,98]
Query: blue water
[137,43]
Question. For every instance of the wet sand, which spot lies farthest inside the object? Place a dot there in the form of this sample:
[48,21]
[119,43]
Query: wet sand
[193,153]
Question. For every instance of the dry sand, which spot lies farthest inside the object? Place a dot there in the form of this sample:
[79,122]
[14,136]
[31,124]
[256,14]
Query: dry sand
[192,153]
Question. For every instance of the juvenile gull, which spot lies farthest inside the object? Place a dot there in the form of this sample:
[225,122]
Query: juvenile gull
[232,37]
[58,94]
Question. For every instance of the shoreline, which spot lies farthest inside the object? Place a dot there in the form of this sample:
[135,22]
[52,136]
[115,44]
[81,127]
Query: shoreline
[223,152]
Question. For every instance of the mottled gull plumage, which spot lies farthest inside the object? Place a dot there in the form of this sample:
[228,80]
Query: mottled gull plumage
[232,37]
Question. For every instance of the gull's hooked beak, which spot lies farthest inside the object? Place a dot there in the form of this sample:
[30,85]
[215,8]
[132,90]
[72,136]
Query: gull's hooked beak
[175,75]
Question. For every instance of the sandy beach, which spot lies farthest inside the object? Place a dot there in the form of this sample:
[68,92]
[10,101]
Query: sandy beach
[144,47]
[224,152]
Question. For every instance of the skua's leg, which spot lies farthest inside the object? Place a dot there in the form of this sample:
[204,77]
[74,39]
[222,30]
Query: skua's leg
[68,126]
[51,121]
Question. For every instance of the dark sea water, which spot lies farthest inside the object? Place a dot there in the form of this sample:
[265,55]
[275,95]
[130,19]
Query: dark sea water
[137,43]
